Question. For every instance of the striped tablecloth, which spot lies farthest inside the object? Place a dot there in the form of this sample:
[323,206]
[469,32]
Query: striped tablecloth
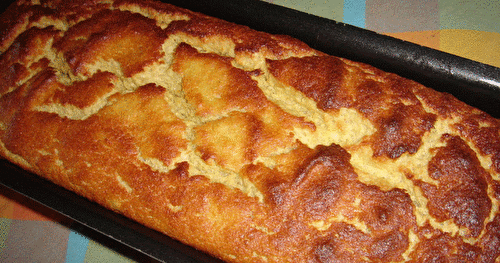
[468,28]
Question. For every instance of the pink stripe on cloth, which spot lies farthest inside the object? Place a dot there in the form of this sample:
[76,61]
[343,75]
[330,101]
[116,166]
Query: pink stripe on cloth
[394,16]
[35,241]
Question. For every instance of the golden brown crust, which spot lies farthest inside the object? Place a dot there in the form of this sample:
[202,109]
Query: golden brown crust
[249,146]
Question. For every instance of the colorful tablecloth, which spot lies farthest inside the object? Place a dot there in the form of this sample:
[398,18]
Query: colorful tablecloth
[467,28]
[30,232]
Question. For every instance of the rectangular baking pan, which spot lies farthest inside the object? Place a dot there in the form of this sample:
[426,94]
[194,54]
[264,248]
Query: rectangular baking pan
[474,83]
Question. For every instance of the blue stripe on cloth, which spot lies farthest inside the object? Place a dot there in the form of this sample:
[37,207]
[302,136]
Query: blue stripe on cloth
[355,12]
[77,247]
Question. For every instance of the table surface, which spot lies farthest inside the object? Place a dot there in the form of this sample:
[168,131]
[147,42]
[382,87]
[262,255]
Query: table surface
[30,232]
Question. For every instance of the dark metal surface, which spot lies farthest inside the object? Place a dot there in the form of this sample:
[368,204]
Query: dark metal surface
[472,82]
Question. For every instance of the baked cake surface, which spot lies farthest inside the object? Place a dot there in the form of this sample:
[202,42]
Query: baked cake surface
[249,146]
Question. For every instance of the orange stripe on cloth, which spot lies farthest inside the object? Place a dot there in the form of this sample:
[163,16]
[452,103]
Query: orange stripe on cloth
[6,207]
[18,207]
[424,38]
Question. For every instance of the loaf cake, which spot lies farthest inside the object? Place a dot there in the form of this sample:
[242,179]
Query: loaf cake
[249,146]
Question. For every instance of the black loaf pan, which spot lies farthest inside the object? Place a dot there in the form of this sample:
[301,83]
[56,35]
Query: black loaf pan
[474,83]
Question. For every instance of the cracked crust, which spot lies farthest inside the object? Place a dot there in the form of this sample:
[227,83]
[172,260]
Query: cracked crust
[249,146]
